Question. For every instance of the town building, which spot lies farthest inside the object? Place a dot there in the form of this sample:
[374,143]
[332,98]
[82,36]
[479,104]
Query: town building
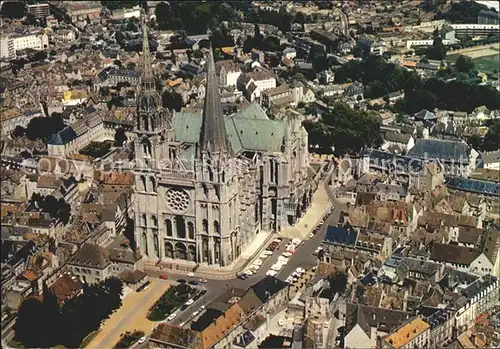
[39,11]
[13,42]
[488,17]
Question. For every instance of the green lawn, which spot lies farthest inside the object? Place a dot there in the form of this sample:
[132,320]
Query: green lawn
[484,64]
[488,64]
[170,301]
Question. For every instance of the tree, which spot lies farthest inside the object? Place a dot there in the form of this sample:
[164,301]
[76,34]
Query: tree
[437,51]
[338,282]
[27,326]
[19,131]
[344,129]
[120,137]
[43,127]
[464,64]
[14,9]
[492,139]
[171,100]
[30,20]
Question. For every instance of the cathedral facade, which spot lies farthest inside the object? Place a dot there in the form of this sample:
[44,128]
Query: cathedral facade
[206,184]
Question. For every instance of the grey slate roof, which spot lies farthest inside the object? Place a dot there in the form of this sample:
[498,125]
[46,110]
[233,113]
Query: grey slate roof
[424,114]
[440,149]
[63,137]
[474,186]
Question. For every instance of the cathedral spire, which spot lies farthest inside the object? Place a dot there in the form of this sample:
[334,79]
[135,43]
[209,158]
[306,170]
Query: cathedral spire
[147,76]
[213,130]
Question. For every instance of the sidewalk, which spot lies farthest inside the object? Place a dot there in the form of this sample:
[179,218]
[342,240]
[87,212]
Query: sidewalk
[320,206]
[260,242]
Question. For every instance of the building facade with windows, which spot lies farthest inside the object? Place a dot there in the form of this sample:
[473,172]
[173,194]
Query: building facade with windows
[206,185]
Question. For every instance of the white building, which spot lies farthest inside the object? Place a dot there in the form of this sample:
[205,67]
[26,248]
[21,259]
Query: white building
[229,73]
[427,42]
[12,43]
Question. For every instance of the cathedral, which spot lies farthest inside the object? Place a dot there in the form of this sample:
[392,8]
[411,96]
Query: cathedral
[207,184]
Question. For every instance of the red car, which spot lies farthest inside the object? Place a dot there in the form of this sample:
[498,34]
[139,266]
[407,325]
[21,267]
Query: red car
[163,277]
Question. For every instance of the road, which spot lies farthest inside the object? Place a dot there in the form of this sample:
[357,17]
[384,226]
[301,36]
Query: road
[131,316]
[303,258]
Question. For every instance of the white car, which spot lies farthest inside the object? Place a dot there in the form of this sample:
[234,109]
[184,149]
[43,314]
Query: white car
[189,302]
[299,270]
[203,281]
[271,273]
[141,340]
[195,314]
[171,317]
[182,324]
[281,322]
[202,307]
[249,272]
[311,235]
[286,254]
[190,274]
[267,253]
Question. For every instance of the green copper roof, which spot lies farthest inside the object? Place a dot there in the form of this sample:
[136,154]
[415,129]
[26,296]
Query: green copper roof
[187,127]
[249,129]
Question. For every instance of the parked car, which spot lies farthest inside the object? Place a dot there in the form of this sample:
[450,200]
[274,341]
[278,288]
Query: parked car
[202,293]
[163,277]
[182,324]
[189,302]
[203,281]
[195,314]
[141,340]
[171,317]
[193,282]
[242,276]
[190,274]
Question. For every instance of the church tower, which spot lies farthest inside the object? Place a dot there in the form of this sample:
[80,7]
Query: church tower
[152,126]
[216,206]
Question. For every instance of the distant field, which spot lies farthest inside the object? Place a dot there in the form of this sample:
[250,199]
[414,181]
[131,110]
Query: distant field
[485,64]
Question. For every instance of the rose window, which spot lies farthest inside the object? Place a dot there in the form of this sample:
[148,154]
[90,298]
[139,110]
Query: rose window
[177,200]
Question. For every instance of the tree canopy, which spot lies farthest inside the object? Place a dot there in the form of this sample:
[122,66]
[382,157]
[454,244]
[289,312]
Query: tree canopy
[491,140]
[194,17]
[45,324]
[437,51]
[463,12]
[457,95]
[377,75]
[171,100]
[57,209]
[14,9]
[120,137]
[464,64]
[43,128]
[345,129]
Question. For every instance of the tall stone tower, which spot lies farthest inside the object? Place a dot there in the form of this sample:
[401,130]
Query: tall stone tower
[215,196]
[152,127]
